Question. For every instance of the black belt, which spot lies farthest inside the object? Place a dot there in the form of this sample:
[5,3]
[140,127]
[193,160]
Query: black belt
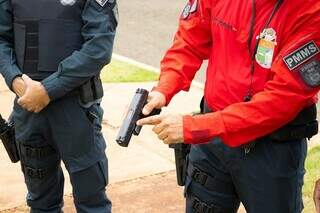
[304,125]
[217,183]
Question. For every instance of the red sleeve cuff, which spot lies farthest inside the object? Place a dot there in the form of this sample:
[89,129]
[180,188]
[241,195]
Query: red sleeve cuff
[203,128]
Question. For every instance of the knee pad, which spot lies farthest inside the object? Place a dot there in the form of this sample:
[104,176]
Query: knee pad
[90,183]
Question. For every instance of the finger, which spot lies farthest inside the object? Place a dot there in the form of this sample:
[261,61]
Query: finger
[21,101]
[30,109]
[168,140]
[160,127]
[163,135]
[26,79]
[23,106]
[149,107]
[37,110]
[152,120]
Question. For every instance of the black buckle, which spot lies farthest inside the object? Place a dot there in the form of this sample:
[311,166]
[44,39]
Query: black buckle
[33,152]
[199,177]
[38,153]
[201,207]
[34,173]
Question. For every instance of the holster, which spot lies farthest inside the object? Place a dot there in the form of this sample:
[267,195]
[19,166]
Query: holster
[305,125]
[181,152]
[91,90]
[7,136]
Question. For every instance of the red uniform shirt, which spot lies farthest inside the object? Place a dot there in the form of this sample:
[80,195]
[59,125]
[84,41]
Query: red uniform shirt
[219,30]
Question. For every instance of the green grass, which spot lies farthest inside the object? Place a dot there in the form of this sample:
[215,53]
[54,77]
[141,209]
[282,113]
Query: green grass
[313,173]
[118,71]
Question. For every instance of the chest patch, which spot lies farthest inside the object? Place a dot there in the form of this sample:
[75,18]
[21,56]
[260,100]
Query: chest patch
[68,2]
[265,49]
[301,55]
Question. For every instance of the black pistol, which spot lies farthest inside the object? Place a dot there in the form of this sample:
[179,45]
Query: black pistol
[134,114]
[181,152]
[7,136]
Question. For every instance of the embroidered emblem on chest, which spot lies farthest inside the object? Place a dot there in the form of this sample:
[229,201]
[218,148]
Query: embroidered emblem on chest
[265,49]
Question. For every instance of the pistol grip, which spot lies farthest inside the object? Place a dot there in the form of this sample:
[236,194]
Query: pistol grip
[137,130]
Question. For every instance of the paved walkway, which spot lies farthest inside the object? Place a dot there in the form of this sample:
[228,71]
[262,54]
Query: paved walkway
[142,177]
[146,30]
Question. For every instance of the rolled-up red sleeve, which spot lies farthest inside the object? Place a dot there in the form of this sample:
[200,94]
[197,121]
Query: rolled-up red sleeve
[281,100]
[192,45]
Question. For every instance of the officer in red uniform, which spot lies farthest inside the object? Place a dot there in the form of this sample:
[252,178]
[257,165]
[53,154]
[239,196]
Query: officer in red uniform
[249,145]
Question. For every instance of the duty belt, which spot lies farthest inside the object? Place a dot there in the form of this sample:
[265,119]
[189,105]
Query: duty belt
[304,125]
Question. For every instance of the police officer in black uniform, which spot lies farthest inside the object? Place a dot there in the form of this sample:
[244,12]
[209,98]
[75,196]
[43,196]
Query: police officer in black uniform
[51,54]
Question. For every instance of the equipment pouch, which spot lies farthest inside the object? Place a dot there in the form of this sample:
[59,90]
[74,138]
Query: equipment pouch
[7,136]
[181,152]
[91,90]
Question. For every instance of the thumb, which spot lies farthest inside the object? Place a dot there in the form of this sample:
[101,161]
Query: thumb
[27,80]
[21,100]
[149,107]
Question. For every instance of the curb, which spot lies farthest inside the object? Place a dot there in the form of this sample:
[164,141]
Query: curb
[148,67]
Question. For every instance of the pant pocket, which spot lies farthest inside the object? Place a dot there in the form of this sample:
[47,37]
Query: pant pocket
[73,133]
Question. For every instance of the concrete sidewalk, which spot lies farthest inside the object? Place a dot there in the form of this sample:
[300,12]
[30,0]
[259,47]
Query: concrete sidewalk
[142,177]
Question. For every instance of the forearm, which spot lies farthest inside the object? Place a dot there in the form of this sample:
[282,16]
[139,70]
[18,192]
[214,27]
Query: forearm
[8,66]
[192,44]
[279,103]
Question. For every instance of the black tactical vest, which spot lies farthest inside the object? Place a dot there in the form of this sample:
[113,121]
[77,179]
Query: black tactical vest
[46,32]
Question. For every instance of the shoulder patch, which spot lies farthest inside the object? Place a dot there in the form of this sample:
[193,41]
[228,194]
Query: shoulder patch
[190,8]
[310,73]
[103,2]
[301,55]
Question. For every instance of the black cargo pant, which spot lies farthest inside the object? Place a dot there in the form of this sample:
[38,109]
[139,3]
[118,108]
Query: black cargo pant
[268,179]
[64,131]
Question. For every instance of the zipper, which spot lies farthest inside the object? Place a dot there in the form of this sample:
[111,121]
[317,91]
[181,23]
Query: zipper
[225,25]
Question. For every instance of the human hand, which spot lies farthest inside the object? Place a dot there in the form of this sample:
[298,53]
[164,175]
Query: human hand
[18,86]
[35,97]
[316,196]
[169,128]
[156,100]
